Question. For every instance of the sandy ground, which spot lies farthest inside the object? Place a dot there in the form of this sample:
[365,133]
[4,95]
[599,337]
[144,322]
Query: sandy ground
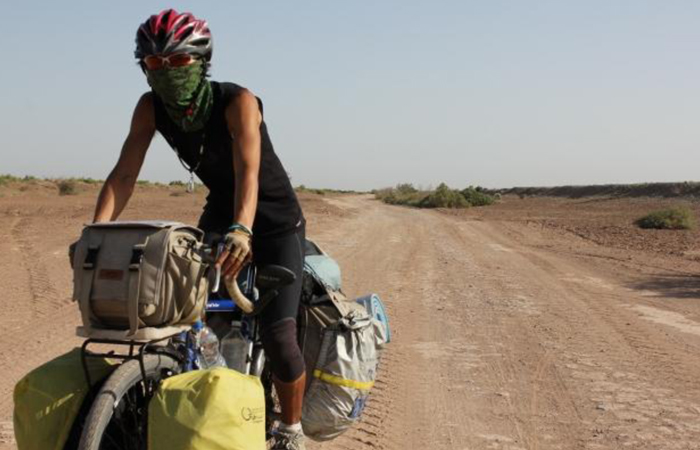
[510,332]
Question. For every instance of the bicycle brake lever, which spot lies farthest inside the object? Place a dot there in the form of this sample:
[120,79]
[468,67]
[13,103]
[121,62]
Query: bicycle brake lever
[217,278]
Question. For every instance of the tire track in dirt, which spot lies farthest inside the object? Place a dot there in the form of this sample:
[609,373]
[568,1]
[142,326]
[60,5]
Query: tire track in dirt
[40,321]
[44,298]
[510,374]
[636,384]
[7,435]
[368,266]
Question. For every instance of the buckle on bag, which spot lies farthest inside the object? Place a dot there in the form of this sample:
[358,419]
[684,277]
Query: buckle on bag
[91,258]
[136,257]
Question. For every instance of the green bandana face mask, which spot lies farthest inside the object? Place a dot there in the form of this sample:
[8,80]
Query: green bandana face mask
[186,94]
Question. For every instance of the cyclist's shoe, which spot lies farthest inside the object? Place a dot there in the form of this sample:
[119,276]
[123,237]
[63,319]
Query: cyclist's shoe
[285,440]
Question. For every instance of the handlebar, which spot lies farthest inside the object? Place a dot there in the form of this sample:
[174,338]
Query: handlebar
[269,279]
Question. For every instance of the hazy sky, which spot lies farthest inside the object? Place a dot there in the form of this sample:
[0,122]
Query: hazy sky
[367,94]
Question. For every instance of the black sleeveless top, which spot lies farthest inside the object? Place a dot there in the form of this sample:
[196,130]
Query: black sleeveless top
[278,211]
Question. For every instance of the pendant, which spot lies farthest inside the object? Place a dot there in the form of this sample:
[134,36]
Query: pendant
[190,184]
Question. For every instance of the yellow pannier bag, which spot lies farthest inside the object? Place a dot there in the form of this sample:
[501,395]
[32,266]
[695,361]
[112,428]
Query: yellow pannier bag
[48,399]
[214,409]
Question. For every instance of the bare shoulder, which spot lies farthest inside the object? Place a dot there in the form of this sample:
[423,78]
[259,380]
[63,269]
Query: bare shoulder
[144,114]
[145,101]
[244,108]
[244,101]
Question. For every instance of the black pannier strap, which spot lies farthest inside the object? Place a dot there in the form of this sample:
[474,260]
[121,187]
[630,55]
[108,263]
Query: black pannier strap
[91,257]
[136,257]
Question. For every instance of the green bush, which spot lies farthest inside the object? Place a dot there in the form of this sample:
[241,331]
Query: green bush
[444,197]
[67,187]
[668,219]
[406,188]
[476,197]
[88,180]
[324,191]
[4,179]
[395,197]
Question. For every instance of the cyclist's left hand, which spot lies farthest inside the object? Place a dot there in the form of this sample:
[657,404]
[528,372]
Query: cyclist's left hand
[237,252]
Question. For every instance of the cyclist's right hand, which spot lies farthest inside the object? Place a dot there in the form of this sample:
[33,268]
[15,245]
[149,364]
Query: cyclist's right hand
[237,252]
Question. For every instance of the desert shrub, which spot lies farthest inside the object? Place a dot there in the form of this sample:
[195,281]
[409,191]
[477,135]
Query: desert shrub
[406,188]
[441,197]
[444,197]
[176,183]
[67,187]
[88,180]
[476,196]
[4,179]
[323,191]
[668,219]
[393,196]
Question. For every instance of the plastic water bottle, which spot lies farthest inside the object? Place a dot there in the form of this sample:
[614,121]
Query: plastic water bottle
[208,345]
[234,347]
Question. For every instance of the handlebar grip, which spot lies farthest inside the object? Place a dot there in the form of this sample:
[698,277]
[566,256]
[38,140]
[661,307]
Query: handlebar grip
[241,300]
[217,278]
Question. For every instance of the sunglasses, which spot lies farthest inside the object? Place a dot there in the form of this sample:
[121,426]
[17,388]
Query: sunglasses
[157,62]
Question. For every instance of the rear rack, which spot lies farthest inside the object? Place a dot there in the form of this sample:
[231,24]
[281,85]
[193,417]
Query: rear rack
[136,350]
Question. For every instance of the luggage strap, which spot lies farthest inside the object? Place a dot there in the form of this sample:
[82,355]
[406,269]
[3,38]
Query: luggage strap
[344,382]
[88,277]
[134,287]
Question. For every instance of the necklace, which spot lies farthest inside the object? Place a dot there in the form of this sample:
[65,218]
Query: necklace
[190,169]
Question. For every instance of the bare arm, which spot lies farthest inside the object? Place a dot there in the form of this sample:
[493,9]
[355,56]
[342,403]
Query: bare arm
[120,183]
[244,119]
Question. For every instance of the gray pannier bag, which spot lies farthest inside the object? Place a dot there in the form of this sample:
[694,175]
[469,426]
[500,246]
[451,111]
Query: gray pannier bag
[129,275]
[341,343]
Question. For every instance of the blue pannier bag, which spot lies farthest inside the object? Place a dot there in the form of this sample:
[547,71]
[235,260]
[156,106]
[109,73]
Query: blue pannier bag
[321,267]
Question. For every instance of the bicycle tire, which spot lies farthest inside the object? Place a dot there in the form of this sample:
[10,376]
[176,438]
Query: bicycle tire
[124,393]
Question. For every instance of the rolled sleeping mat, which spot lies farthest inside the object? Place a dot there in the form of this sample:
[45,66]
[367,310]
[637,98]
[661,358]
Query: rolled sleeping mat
[375,307]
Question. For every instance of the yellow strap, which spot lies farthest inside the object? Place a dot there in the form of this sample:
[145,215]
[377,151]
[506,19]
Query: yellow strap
[338,381]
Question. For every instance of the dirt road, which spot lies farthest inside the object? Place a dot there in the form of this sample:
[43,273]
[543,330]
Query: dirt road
[504,337]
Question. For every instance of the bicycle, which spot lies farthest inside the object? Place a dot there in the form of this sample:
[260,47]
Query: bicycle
[118,415]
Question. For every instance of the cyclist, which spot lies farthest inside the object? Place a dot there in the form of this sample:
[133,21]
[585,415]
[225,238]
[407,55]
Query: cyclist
[218,132]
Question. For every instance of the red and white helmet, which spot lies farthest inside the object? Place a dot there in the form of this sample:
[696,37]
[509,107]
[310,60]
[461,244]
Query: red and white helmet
[169,32]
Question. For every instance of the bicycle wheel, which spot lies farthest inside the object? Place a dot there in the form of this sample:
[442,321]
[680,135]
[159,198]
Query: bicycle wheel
[118,417]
